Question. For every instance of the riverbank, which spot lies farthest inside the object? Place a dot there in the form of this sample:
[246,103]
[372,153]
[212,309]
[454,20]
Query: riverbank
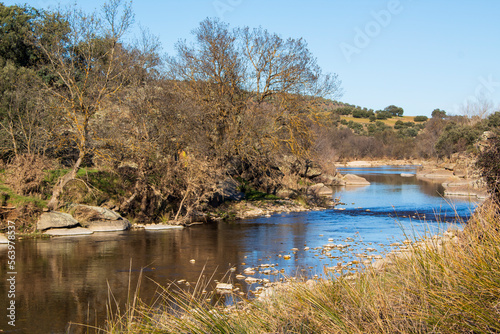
[446,284]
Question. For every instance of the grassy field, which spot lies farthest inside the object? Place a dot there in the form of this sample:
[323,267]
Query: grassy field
[389,121]
[444,285]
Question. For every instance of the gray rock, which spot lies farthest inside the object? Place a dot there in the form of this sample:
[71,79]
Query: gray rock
[84,213]
[68,231]
[354,180]
[55,219]
[108,225]
[328,180]
[229,190]
[320,189]
[285,193]
[99,219]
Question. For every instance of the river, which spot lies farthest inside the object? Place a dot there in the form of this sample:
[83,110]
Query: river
[71,279]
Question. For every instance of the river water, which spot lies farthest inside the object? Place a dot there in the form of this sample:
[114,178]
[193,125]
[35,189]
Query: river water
[71,279]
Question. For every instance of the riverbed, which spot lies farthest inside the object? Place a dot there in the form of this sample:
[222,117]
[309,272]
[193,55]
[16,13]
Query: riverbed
[71,279]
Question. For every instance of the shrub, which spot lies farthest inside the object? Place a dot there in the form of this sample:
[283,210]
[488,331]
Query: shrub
[26,173]
[420,118]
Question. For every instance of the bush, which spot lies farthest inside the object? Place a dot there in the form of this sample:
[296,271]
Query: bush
[420,118]
[26,173]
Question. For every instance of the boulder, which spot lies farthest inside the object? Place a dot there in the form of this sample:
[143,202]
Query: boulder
[285,193]
[329,180]
[228,191]
[320,189]
[354,180]
[55,219]
[99,219]
[68,231]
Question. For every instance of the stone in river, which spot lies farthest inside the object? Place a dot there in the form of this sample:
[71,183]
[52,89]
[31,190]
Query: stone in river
[99,219]
[55,219]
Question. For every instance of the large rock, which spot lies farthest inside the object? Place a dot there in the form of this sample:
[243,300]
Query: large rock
[329,180]
[354,180]
[285,193]
[108,225]
[228,191]
[320,189]
[99,219]
[55,219]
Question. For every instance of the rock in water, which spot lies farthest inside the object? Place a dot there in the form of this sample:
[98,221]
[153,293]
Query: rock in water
[55,219]
[355,180]
[99,219]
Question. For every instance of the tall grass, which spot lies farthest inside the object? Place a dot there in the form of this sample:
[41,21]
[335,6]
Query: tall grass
[449,284]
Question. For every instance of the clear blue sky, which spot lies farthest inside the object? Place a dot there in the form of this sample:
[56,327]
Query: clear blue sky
[416,54]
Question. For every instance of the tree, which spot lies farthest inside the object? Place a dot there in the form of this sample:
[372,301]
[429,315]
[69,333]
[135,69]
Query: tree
[239,78]
[15,25]
[438,113]
[394,111]
[90,65]
[24,120]
[456,138]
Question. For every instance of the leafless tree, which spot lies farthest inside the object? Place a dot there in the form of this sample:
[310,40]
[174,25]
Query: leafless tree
[90,65]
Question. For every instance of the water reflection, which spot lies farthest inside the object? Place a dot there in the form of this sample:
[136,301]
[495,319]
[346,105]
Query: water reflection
[68,278]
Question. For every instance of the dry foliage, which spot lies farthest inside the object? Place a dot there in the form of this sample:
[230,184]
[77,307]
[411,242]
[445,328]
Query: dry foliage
[26,172]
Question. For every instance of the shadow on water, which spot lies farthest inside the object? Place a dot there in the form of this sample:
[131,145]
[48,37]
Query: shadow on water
[67,279]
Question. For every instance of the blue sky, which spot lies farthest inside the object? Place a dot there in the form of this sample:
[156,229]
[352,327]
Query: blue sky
[416,54]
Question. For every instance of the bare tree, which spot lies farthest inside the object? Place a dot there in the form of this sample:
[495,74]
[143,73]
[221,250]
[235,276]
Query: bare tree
[90,65]
[211,74]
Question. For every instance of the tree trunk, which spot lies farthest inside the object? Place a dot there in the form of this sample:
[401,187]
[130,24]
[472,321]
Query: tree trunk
[61,183]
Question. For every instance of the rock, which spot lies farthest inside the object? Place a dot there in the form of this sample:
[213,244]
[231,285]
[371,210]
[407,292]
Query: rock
[108,225]
[327,180]
[466,187]
[285,193]
[3,239]
[359,164]
[449,166]
[311,170]
[407,175]
[435,174]
[320,189]
[55,219]
[68,231]
[229,190]
[86,213]
[354,180]
[99,219]
[224,288]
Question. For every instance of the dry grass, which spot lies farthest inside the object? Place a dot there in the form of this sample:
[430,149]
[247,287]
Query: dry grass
[389,122]
[445,285]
